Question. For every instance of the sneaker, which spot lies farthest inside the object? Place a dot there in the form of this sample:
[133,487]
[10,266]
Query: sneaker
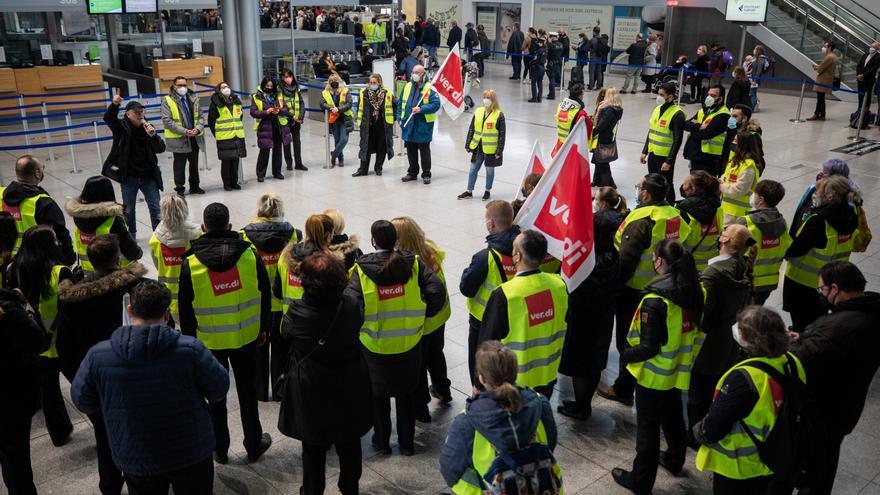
[426,180]
[466,195]
[300,167]
[196,190]
[608,392]
[408,178]
[265,443]
[486,196]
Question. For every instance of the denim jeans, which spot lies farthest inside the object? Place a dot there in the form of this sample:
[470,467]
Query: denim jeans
[432,56]
[478,159]
[340,137]
[150,190]
[753,96]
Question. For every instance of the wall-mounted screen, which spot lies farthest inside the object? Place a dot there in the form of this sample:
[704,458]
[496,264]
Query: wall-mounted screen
[746,11]
[140,6]
[104,7]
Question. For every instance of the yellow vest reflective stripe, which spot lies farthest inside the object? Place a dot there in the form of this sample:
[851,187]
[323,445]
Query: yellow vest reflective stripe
[715,145]
[485,131]
[768,261]
[738,205]
[259,104]
[483,454]
[389,107]
[393,314]
[49,310]
[271,262]
[477,305]
[667,225]
[228,124]
[226,304]
[440,319]
[707,248]
[292,103]
[536,309]
[23,214]
[81,241]
[671,368]
[736,456]
[328,98]
[426,96]
[659,133]
[175,116]
[372,33]
[564,120]
[805,269]
[291,285]
[168,261]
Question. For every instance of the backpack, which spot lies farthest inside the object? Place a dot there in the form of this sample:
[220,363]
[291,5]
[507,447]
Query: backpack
[861,241]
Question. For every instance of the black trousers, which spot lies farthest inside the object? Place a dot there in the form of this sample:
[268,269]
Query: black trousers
[229,172]
[15,451]
[592,349]
[314,459]
[180,161]
[536,74]
[406,419]
[820,104]
[516,61]
[197,479]
[57,420]
[602,175]
[272,359]
[554,74]
[701,391]
[710,163]
[655,409]
[722,485]
[823,466]
[244,365]
[110,477]
[414,152]
[381,153]
[263,160]
[597,76]
[655,166]
[294,159]
[473,337]
[433,363]
[697,88]
[624,309]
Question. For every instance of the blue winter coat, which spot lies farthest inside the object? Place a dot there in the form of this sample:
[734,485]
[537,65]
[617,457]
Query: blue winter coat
[483,414]
[418,130]
[152,386]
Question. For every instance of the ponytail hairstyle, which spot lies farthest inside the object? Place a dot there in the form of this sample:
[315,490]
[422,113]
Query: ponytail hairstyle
[396,267]
[610,195]
[318,230]
[411,237]
[685,275]
[706,183]
[495,364]
[270,206]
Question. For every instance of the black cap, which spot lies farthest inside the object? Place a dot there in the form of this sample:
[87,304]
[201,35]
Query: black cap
[134,105]
[97,189]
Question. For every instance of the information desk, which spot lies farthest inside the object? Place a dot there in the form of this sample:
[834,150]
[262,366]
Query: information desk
[49,80]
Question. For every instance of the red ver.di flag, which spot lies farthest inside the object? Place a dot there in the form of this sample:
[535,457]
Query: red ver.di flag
[448,85]
[561,208]
[536,166]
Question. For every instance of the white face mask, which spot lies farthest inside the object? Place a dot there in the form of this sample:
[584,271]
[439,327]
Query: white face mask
[596,207]
[816,201]
[416,78]
[181,90]
[487,102]
[225,91]
[753,201]
[824,49]
[737,335]
[374,87]
[872,50]
[709,101]
[660,100]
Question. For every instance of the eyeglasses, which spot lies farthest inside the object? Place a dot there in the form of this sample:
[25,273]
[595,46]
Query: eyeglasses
[819,289]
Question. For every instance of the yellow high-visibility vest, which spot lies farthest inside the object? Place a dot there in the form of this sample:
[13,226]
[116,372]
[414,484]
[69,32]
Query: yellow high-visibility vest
[328,98]
[702,242]
[82,239]
[228,124]
[389,107]
[23,214]
[565,118]
[168,261]
[667,225]
[737,206]
[660,136]
[393,315]
[49,310]
[426,96]
[485,131]
[805,269]
[715,145]
[175,116]
[258,102]
[440,319]
[477,305]
[768,260]
[271,262]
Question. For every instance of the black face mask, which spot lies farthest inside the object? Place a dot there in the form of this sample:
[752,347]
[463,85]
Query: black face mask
[334,85]
[681,190]
[270,91]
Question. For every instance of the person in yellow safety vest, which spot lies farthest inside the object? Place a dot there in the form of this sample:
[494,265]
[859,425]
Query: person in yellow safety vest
[742,173]
[269,234]
[336,101]
[95,212]
[289,87]
[489,268]
[770,232]
[418,109]
[36,272]
[270,112]
[741,120]
[664,339]
[652,221]
[170,241]
[665,135]
[528,314]
[503,417]
[225,301]
[825,236]
[375,120]
[341,244]
[287,284]
[569,111]
[30,205]
[701,209]
[747,396]
[708,128]
[411,237]
[485,142]
[225,119]
[184,133]
[397,292]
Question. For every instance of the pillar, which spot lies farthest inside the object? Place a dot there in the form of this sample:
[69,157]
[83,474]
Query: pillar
[231,57]
[249,37]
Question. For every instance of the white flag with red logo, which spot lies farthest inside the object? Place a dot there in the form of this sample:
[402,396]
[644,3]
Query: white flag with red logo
[561,208]
[536,166]
[448,84]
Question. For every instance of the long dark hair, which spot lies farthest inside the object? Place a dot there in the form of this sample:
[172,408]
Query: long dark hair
[685,275]
[385,237]
[747,147]
[705,183]
[32,266]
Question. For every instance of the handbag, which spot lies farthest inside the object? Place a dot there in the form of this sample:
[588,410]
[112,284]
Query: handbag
[605,153]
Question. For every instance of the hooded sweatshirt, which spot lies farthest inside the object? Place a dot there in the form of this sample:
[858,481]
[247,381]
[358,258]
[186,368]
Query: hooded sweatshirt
[475,274]
[769,221]
[89,216]
[502,429]
[727,288]
[46,212]
[841,216]
[144,380]
[270,236]
[702,207]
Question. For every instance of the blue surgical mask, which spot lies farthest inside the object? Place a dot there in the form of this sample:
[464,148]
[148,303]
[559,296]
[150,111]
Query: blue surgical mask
[731,123]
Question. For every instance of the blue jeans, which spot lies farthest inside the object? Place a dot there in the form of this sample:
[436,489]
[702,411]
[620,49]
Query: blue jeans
[478,159]
[340,137]
[150,190]
[753,95]
[432,56]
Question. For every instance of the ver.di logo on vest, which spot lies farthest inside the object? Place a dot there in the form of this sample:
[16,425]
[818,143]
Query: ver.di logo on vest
[15,211]
[769,242]
[86,237]
[269,258]
[293,279]
[673,226]
[391,291]
[172,256]
[225,282]
[540,307]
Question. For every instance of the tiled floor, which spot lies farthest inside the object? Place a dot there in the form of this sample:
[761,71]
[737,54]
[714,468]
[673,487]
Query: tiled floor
[588,450]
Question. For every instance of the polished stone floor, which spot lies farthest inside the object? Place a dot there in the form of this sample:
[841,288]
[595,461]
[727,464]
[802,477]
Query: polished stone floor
[588,450]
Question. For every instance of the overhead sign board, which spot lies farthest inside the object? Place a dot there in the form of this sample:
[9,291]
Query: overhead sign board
[746,11]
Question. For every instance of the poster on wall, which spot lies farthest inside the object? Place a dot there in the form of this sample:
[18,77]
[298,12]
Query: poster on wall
[444,12]
[573,17]
[508,18]
[746,11]
[625,31]
[487,19]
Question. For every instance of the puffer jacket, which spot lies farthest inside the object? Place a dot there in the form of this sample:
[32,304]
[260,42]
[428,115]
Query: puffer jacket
[227,149]
[177,238]
[728,289]
[607,119]
[701,207]
[348,247]
[270,236]
[151,384]
[502,429]
[181,144]
[269,124]
[89,216]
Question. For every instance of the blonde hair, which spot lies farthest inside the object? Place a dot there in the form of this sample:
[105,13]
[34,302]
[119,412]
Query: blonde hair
[612,98]
[338,220]
[496,365]
[334,78]
[834,190]
[174,211]
[318,230]
[411,237]
[270,205]
[378,77]
[490,94]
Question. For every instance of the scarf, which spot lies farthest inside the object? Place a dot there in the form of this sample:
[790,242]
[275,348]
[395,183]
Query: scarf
[376,98]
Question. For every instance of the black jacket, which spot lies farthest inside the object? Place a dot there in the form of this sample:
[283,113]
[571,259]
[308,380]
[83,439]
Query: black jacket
[46,212]
[270,237]
[676,125]
[566,44]
[475,274]
[598,48]
[89,216]
[346,246]
[470,38]
[717,126]
[701,207]
[368,126]
[739,94]
[869,70]
[219,251]
[606,121]
[431,35]
[120,152]
[839,354]
[515,43]
[454,36]
[555,52]
[727,292]
[21,339]
[491,161]
[636,52]
[227,149]
[636,237]
[841,216]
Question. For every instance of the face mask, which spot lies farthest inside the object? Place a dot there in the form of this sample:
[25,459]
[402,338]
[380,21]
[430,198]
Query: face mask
[181,90]
[737,335]
[487,102]
[872,50]
[660,100]
[225,91]
[816,202]
[334,85]
[753,202]
[824,49]
[709,101]
[416,78]
[374,87]
[731,123]
[270,90]
[595,207]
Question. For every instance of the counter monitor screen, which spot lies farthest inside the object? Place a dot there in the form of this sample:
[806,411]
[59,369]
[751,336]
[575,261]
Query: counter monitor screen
[104,7]
[140,6]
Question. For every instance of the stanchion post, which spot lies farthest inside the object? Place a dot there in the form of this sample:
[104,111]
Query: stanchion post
[205,158]
[680,88]
[72,147]
[98,143]
[858,137]
[328,164]
[24,122]
[797,119]
[44,111]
